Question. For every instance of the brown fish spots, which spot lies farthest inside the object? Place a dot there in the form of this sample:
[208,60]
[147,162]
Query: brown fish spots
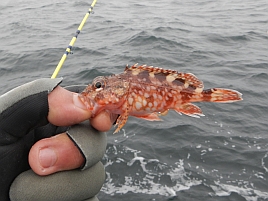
[143,76]
[154,79]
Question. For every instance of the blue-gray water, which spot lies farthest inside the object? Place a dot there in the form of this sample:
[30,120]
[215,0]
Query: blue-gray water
[222,156]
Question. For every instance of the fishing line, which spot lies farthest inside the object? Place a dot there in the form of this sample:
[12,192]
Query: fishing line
[69,48]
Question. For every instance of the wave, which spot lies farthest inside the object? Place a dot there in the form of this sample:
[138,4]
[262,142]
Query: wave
[139,175]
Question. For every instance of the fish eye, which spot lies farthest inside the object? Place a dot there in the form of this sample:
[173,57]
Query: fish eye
[98,85]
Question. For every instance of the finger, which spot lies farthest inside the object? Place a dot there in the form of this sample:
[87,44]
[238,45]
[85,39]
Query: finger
[55,154]
[65,108]
[103,121]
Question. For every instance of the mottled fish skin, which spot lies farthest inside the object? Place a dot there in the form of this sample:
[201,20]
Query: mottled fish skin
[148,92]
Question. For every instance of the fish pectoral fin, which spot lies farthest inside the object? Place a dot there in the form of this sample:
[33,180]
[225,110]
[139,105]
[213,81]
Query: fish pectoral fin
[121,120]
[190,110]
[150,117]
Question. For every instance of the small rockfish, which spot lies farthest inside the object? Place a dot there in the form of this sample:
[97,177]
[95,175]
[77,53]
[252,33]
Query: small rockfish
[147,92]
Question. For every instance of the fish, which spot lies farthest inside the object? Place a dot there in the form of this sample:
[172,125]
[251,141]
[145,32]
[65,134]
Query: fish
[149,92]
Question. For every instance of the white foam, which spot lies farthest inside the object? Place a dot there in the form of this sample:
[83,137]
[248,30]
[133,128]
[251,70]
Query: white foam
[264,162]
[148,178]
[249,194]
[153,177]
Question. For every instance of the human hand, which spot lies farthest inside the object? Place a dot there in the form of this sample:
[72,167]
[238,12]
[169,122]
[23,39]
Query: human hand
[65,110]
[22,112]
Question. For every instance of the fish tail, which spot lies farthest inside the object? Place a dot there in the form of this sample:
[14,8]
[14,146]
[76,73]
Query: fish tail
[221,95]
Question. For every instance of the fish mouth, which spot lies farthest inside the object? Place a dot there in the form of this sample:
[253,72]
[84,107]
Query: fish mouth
[89,103]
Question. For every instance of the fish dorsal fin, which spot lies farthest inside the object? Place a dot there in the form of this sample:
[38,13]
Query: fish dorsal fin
[191,80]
[188,80]
[126,68]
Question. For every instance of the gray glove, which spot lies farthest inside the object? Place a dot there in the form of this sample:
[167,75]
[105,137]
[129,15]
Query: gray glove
[23,121]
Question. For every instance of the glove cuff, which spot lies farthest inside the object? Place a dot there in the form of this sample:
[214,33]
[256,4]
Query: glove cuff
[90,142]
[21,92]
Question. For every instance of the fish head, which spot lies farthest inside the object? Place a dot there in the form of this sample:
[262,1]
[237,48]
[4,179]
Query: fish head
[105,92]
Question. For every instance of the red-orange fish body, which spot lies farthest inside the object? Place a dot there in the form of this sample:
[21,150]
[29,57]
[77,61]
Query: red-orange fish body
[147,92]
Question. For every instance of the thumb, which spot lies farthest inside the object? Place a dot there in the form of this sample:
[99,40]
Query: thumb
[65,108]
[55,154]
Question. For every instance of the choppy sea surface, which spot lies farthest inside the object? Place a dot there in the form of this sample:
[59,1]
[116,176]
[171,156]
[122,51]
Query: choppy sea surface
[222,156]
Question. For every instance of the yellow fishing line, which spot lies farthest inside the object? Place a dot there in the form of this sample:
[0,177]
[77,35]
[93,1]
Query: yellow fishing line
[69,48]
